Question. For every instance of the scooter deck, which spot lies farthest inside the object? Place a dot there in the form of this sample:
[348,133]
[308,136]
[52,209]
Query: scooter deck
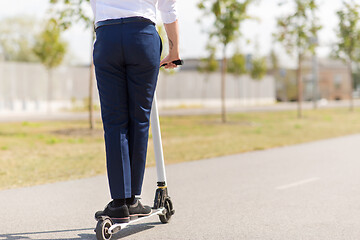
[118,226]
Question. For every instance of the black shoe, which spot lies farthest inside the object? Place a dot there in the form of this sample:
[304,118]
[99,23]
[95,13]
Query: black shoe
[117,214]
[138,210]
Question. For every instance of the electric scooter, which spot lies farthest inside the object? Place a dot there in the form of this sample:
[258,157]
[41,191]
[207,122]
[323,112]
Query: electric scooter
[163,206]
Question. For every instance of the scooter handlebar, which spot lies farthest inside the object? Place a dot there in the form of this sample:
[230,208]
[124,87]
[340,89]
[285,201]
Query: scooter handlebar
[176,62]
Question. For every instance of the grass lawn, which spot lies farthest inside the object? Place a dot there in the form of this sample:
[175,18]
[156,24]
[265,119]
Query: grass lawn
[43,152]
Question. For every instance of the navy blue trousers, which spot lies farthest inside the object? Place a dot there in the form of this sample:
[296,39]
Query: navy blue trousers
[126,59]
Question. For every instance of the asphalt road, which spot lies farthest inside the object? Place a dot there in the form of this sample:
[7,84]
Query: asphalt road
[309,192]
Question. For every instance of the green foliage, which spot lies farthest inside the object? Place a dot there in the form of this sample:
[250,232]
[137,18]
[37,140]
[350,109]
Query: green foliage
[286,89]
[285,79]
[50,48]
[237,64]
[70,11]
[259,68]
[17,36]
[297,32]
[229,14]
[297,29]
[348,46]
[274,60]
[209,64]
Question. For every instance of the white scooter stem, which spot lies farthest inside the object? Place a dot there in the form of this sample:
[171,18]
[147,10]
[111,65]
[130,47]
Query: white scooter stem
[159,156]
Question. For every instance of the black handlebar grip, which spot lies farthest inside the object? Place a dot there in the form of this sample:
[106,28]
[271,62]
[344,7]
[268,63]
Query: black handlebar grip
[176,62]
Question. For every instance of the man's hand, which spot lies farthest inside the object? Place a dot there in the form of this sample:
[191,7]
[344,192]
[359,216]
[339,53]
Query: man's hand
[172,31]
[168,61]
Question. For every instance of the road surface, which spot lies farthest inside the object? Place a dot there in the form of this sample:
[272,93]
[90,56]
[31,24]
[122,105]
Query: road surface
[304,192]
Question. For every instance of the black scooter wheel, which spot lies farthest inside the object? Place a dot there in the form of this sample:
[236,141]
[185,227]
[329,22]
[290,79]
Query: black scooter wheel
[102,229]
[169,211]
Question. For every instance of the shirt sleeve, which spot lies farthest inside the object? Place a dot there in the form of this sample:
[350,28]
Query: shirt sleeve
[168,11]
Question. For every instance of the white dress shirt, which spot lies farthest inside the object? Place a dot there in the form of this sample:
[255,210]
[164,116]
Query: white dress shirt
[112,9]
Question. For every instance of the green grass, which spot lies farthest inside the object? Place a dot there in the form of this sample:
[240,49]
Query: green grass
[43,152]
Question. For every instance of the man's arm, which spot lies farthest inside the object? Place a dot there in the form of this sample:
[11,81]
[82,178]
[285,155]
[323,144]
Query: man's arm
[172,31]
[169,17]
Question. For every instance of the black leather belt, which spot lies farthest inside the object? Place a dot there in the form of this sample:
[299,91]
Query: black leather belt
[121,21]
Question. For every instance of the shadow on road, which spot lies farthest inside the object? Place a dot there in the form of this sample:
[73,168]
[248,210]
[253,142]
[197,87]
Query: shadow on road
[134,229]
[130,230]
[24,235]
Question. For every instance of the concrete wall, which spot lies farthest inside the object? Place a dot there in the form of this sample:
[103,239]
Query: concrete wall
[24,87]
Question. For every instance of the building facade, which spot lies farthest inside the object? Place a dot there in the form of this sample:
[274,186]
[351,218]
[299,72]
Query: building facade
[334,82]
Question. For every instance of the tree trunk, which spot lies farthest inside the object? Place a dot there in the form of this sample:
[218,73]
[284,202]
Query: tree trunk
[258,90]
[315,80]
[203,92]
[299,85]
[91,88]
[49,91]
[223,86]
[351,86]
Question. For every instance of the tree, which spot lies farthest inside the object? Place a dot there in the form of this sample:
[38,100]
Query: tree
[258,71]
[258,64]
[281,88]
[294,32]
[228,14]
[259,68]
[69,12]
[237,66]
[208,65]
[237,63]
[50,49]
[17,37]
[348,45]
[274,61]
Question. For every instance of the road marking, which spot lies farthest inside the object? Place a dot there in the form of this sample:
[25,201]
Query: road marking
[295,184]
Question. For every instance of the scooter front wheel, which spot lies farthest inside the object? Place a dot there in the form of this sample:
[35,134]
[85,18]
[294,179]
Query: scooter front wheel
[102,229]
[169,211]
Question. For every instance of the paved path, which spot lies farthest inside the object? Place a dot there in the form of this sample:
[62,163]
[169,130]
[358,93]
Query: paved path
[308,192]
[61,116]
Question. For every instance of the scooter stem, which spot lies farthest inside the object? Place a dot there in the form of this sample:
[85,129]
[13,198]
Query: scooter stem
[159,156]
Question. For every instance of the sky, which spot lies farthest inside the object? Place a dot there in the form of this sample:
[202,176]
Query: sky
[193,37]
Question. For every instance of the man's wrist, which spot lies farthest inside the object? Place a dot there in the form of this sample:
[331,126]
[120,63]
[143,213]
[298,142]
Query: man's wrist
[174,55]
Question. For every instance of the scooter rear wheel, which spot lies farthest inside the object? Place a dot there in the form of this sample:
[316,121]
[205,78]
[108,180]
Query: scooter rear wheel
[102,229]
